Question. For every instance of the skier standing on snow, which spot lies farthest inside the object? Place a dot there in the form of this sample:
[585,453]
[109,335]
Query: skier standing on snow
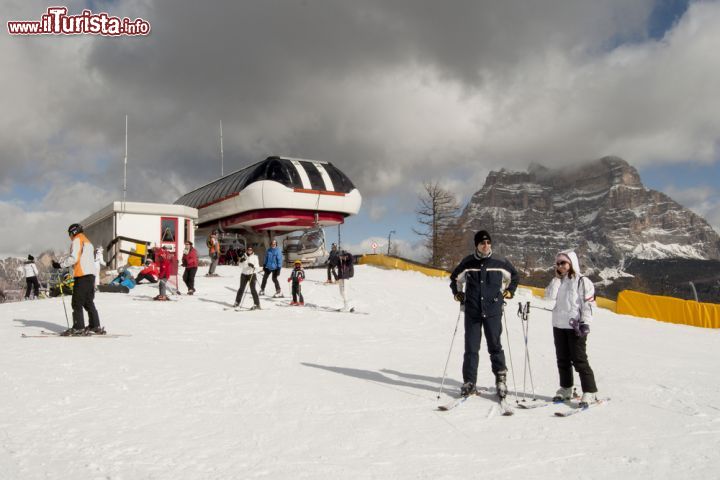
[248,264]
[99,262]
[163,275]
[296,277]
[332,264]
[574,297]
[190,262]
[345,273]
[214,251]
[273,264]
[488,280]
[31,277]
[82,259]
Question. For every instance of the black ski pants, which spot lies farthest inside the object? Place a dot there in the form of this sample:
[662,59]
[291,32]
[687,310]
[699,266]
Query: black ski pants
[33,284]
[473,334]
[570,351]
[297,292]
[145,276]
[266,274]
[83,297]
[331,270]
[189,277]
[244,280]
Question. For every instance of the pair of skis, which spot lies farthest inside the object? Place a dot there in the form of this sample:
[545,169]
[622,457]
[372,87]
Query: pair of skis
[505,409]
[573,408]
[46,334]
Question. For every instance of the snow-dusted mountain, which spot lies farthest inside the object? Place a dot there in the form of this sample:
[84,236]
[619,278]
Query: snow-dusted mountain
[601,209]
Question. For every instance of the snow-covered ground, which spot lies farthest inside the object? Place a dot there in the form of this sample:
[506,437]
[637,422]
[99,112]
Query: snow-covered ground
[199,392]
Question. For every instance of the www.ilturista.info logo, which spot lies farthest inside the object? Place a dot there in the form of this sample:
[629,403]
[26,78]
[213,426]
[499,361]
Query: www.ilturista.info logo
[57,22]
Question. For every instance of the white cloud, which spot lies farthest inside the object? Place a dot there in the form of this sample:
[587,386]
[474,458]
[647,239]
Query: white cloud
[405,249]
[393,93]
[703,200]
[32,227]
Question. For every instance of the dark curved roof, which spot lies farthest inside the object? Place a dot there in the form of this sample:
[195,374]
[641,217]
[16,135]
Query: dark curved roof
[277,169]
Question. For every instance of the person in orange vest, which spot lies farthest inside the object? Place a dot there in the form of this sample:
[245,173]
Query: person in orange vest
[82,261]
[214,250]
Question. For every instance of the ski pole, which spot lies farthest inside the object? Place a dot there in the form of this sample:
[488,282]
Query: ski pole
[527,350]
[452,341]
[507,337]
[542,308]
[524,313]
[62,297]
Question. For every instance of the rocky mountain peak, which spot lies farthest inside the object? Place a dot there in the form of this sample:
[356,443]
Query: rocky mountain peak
[599,208]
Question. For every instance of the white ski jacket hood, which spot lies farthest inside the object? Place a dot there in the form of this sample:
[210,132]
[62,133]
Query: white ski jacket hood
[574,297]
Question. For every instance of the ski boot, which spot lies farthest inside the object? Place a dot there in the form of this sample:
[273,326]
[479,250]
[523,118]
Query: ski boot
[500,385]
[278,294]
[587,399]
[563,395]
[95,331]
[262,292]
[467,389]
[255,307]
[73,332]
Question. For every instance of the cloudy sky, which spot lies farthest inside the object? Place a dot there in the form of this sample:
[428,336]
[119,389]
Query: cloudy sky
[393,92]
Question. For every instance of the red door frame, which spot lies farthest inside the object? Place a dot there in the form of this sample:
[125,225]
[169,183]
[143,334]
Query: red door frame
[174,243]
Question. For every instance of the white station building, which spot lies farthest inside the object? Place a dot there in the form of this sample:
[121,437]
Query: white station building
[126,230]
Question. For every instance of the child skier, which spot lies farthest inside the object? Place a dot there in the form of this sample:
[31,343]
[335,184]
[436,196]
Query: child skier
[296,277]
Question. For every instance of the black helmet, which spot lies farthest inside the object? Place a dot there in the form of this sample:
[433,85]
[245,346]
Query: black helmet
[74,229]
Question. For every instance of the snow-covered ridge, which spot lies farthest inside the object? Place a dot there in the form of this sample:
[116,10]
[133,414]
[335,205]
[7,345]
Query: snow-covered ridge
[657,250]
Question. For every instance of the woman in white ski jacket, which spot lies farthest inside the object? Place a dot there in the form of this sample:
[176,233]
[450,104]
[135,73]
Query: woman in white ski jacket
[31,277]
[248,266]
[574,297]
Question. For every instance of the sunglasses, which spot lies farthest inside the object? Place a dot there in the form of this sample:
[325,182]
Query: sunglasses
[560,264]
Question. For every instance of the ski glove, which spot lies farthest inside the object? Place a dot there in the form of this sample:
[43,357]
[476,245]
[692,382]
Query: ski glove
[581,329]
[460,297]
[251,265]
[508,294]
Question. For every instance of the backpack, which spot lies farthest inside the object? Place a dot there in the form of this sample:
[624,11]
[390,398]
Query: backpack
[345,265]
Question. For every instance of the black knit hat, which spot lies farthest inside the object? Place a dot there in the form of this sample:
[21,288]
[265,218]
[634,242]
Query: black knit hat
[31,258]
[480,236]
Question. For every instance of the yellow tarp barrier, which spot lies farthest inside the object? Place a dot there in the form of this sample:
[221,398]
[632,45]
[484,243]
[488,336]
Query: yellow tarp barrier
[400,264]
[668,309]
[141,249]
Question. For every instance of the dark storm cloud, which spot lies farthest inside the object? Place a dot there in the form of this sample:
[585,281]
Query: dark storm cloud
[392,92]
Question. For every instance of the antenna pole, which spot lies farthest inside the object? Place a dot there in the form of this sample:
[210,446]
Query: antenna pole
[125,164]
[222,160]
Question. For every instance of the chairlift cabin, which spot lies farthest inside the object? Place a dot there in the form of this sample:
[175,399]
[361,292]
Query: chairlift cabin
[274,197]
[309,247]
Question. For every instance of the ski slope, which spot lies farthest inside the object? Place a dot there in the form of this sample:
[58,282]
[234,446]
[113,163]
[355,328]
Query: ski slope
[201,392]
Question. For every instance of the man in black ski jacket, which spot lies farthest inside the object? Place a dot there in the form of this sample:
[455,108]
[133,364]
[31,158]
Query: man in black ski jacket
[488,281]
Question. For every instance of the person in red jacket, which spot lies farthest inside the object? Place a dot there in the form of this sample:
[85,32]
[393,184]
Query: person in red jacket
[163,274]
[190,262]
[149,273]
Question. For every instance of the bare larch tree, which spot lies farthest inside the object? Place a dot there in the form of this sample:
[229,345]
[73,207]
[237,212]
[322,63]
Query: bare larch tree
[437,213]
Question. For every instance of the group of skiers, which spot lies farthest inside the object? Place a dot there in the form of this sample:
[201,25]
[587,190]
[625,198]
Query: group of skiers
[482,281]
[272,265]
